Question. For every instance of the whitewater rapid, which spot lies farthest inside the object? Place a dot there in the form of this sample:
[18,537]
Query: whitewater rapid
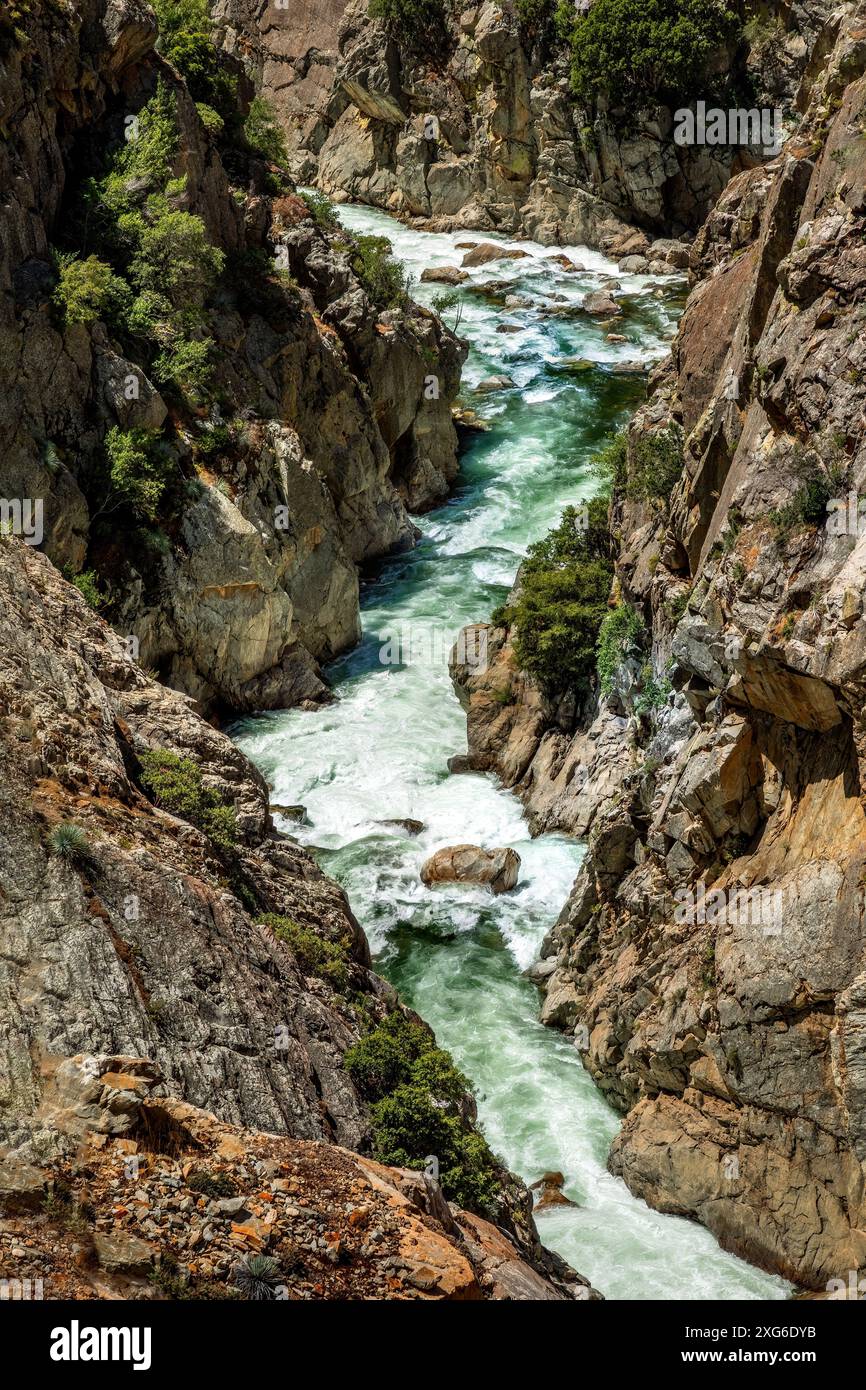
[380,753]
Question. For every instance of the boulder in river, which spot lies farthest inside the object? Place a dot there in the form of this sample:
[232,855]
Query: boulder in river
[602,304]
[564,263]
[495,383]
[445,275]
[460,763]
[486,251]
[496,869]
[634,265]
[412,827]
[549,1192]
[296,813]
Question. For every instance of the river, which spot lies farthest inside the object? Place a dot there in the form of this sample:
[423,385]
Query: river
[380,752]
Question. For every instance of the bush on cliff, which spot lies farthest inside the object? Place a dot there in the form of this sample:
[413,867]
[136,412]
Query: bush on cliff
[382,277]
[176,785]
[655,465]
[421,26]
[620,634]
[633,53]
[562,600]
[138,470]
[186,40]
[315,954]
[263,134]
[418,1110]
[88,289]
[160,250]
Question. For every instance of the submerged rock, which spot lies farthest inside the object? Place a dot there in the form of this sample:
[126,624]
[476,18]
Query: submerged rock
[412,827]
[495,383]
[549,1192]
[496,869]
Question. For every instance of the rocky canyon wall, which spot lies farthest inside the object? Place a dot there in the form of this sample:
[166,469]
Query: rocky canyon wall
[325,435]
[710,961]
[484,132]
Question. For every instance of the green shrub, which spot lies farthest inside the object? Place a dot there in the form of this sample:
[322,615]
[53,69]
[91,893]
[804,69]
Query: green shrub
[186,40]
[69,842]
[263,134]
[418,1109]
[381,276]
[257,1277]
[212,1184]
[823,471]
[138,469]
[621,632]
[611,462]
[421,26]
[210,119]
[634,53]
[88,289]
[141,165]
[411,1124]
[656,465]
[562,600]
[321,209]
[544,22]
[173,256]
[87,586]
[385,1057]
[315,954]
[186,365]
[652,694]
[176,785]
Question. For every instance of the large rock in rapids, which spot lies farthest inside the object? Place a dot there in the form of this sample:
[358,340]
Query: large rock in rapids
[495,869]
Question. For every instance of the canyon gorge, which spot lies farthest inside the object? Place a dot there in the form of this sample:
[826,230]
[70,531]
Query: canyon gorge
[446,482]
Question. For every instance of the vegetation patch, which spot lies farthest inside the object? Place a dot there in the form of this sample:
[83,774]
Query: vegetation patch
[69,842]
[176,785]
[622,632]
[420,26]
[562,600]
[823,474]
[315,954]
[418,1109]
[657,50]
[655,465]
[88,290]
[382,277]
[138,470]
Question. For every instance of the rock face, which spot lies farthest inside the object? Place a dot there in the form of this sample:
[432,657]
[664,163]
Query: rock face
[327,432]
[153,970]
[486,135]
[496,869]
[145,946]
[152,1216]
[710,960]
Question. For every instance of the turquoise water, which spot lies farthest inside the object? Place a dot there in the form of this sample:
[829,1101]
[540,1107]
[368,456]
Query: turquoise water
[380,753]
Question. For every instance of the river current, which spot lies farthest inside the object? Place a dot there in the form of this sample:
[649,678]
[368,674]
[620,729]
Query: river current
[379,753]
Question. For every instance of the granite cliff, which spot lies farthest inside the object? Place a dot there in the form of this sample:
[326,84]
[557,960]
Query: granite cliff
[288,458]
[481,128]
[710,961]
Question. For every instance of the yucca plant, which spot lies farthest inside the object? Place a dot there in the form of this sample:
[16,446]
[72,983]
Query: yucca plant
[257,1277]
[69,842]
